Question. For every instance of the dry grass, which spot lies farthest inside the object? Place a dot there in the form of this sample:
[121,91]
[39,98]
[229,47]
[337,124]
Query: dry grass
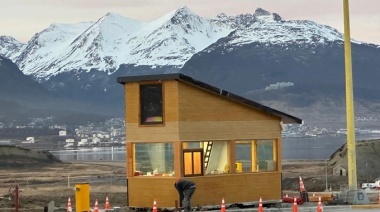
[55,182]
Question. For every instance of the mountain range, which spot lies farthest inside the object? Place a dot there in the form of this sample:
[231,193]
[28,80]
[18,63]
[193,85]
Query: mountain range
[293,65]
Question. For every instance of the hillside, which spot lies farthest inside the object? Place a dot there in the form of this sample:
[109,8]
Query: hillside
[314,172]
[367,159]
[12,157]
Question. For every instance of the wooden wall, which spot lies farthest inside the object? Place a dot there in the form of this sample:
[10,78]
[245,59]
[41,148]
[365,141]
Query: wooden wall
[191,113]
[165,132]
[234,188]
[204,115]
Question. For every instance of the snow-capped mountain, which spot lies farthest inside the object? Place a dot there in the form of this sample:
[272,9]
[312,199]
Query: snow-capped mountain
[169,40]
[243,54]
[114,40]
[10,47]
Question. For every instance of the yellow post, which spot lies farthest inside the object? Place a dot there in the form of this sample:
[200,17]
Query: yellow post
[351,148]
[82,197]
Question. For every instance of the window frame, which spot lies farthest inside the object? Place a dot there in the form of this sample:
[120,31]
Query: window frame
[142,115]
[192,151]
[254,153]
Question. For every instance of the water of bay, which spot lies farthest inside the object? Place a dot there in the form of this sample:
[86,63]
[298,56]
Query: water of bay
[297,148]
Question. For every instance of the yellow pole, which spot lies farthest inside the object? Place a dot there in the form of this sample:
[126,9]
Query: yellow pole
[351,152]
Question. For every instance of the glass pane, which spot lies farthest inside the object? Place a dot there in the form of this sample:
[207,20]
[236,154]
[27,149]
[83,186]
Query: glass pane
[154,159]
[218,158]
[197,162]
[192,145]
[243,157]
[265,155]
[188,163]
[151,104]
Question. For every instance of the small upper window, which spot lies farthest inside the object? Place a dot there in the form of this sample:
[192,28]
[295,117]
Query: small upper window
[151,104]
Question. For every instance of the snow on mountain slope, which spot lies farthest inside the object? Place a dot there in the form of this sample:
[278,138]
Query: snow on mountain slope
[173,38]
[169,40]
[10,47]
[270,28]
[99,46]
[114,40]
[46,46]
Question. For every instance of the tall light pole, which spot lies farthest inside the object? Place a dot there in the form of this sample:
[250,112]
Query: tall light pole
[326,175]
[351,148]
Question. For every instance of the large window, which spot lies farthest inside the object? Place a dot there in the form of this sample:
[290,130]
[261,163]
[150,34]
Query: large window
[216,157]
[153,159]
[243,152]
[151,104]
[256,155]
[265,155]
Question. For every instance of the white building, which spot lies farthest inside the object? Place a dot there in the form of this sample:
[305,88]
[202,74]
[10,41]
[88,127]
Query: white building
[96,140]
[70,140]
[62,133]
[83,142]
[28,140]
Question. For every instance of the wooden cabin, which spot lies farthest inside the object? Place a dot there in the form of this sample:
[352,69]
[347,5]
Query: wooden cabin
[179,127]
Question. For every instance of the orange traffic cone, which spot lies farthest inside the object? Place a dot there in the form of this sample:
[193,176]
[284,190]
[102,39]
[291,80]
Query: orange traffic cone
[302,187]
[319,209]
[223,207]
[154,206]
[69,208]
[107,204]
[295,206]
[96,208]
[260,205]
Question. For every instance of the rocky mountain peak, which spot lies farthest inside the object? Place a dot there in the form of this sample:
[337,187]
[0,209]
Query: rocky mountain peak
[266,16]
[10,47]
[222,16]
[261,12]
[183,14]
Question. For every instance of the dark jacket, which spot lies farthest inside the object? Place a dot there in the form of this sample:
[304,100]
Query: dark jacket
[182,184]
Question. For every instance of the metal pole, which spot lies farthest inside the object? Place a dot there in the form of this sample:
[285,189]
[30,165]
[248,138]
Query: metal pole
[351,148]
[326,175]
[16,198]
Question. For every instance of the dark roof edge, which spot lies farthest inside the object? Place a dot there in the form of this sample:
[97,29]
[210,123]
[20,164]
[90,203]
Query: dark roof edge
[286,118]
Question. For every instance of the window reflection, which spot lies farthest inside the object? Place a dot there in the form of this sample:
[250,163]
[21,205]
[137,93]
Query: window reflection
[153,159]
[151,104]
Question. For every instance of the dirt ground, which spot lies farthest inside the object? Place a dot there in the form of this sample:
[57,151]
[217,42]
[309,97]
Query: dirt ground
[55,182]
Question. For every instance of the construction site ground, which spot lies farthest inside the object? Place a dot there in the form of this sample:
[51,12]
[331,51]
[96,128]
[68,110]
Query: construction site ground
[55,182]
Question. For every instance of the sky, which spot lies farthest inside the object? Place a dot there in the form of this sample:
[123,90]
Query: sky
[21,19]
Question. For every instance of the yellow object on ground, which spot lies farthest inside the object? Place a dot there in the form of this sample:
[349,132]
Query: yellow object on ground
[82,197]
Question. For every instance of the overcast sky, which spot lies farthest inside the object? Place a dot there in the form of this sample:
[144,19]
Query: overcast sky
[21,19]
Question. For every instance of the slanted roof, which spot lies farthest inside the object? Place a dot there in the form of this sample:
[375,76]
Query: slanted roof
[285,118]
